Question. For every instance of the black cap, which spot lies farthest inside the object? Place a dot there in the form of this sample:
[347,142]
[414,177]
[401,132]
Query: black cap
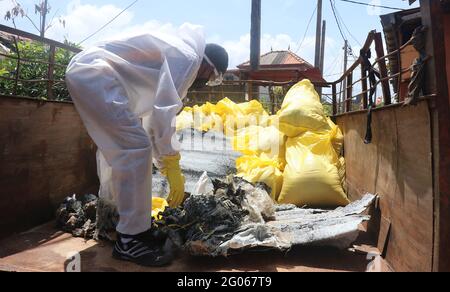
[218,56]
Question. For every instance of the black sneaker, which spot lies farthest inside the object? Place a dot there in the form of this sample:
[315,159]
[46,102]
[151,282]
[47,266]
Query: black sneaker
[137,250]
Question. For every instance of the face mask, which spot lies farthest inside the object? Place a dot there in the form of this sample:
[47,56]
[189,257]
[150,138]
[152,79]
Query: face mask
[217,78]
[199,84]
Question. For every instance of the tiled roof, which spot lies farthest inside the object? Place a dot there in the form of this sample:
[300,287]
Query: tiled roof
[279,58]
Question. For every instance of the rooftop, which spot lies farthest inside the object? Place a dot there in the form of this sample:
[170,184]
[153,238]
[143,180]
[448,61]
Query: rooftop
[275,58]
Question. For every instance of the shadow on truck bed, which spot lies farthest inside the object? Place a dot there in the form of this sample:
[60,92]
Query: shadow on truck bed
[46,249]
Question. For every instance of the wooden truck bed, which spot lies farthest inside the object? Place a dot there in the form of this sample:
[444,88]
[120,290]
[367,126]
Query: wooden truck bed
[45,249]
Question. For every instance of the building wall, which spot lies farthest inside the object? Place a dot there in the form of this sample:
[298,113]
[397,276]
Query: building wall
[45,155]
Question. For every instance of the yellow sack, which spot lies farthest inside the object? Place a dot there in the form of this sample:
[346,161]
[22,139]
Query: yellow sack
[312,179]
[185,120]
[231,124]
[302,111]
[253,107]
[257,170]
[318,144]
[342,172]
[337,138]
[159,205]
[256,140]
[217,123]
[200,119]
[205,122]
[226,107]
[255,113]
[208,108]
[211,122]
[265,120]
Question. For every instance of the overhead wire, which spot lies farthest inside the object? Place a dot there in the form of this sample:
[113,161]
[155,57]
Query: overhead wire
[372,5]
[345,26]
[109,22]
[333,65]
[306,31]
[333,8]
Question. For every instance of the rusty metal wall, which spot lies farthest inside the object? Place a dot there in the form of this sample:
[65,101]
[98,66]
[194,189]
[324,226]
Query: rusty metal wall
[398,166]
[45,155]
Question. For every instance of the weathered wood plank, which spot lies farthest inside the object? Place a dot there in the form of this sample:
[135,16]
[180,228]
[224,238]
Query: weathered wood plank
[45,155]
[398,167]
[438,81]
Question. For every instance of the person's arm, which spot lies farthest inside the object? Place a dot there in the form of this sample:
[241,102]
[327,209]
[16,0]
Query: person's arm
[162,123]
[161,126]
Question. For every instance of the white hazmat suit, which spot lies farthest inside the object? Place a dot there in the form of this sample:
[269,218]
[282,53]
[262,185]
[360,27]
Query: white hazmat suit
[128,93]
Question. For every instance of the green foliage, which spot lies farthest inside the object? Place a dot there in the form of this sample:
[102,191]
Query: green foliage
[328,109]
[29,69]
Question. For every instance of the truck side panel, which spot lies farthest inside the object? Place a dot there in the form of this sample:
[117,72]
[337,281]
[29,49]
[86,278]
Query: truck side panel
[397,166]
[45,155]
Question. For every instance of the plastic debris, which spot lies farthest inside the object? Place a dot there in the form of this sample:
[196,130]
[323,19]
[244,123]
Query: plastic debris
[239,216]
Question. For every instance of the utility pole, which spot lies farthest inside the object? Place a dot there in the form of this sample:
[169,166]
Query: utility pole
[44,9]
[322,50]
[322,53]
[318,33]
[344,100]
[255,43]
[255,46]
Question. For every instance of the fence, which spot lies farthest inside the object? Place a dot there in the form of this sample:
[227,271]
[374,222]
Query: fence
[35,66]
[345,100]
[342,99]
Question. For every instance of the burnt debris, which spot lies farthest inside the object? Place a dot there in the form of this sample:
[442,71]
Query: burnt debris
[206,221]
[78,217]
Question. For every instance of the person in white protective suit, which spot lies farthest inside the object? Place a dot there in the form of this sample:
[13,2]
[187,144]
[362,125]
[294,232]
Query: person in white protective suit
[128,93]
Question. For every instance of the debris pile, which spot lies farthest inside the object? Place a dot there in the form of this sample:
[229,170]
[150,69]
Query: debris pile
[224,217]
[238,216]
[208,220]
[78,217]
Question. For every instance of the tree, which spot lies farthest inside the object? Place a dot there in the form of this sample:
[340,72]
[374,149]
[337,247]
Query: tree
[34,70]
[42,9]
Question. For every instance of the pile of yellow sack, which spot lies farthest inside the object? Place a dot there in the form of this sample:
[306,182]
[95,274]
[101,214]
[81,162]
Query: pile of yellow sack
[295,152]
[315,172]
[225,116]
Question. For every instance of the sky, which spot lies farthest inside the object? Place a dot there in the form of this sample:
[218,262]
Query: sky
[284,23]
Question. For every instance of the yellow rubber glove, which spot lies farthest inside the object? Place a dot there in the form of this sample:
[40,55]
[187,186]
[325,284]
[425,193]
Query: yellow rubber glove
[171,169]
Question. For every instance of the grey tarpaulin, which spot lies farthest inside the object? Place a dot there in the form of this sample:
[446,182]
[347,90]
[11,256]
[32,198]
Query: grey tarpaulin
[283,226]
[200,152]
[232,215]
[293,226]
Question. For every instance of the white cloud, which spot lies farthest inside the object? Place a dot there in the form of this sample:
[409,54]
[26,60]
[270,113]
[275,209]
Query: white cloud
[84,19]
[239,50]
[5,5]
